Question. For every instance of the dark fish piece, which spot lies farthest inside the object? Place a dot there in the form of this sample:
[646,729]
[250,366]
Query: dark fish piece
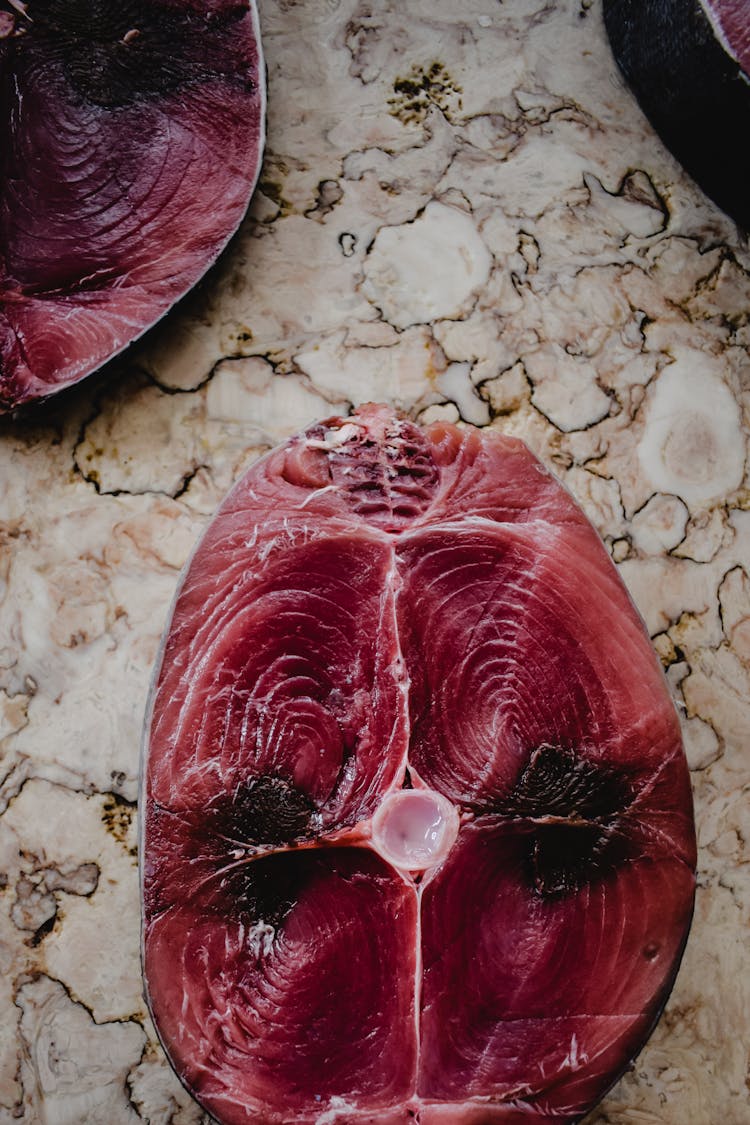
[731,21]
[418,837]
[688,63]
[131,135]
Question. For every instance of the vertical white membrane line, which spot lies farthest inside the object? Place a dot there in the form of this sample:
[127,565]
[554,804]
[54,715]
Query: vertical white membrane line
[418,980]
[396,581]
[392,587]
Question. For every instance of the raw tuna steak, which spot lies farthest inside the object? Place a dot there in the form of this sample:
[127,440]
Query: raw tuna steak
[131,134]
[418,837]
[688,62]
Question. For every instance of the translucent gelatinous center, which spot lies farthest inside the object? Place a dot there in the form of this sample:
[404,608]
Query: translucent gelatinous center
[415,829]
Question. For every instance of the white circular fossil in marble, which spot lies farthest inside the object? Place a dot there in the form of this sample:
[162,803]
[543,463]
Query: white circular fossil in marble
[429,269]
[692,444]
[415,828]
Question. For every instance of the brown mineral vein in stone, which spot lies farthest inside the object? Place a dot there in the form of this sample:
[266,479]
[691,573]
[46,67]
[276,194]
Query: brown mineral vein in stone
[608,269]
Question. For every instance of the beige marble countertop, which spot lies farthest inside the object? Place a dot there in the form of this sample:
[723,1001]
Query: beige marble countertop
[462,212]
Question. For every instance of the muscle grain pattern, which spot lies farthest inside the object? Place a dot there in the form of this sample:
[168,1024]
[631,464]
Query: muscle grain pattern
[131,137]
[377,608]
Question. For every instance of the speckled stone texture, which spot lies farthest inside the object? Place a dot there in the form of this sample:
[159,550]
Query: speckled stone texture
[462,212]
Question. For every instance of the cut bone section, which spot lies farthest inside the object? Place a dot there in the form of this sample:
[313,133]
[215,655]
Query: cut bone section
[415,829]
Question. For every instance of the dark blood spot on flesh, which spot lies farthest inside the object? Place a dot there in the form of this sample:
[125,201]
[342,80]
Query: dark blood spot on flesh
[267,810]
[560,783]
[114,54]
[564,857]
[573,807]
[265,889]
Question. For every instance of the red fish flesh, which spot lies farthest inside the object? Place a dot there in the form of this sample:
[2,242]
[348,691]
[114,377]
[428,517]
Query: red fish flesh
[418,836]
[131,134]
[731,20]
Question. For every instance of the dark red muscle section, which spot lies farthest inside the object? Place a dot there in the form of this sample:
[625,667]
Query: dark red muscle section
[730,17]
[480,1113]
[130,141]
[471,466]
[501,633]
[554,990]
[282,663]
[272,999]
[377,607]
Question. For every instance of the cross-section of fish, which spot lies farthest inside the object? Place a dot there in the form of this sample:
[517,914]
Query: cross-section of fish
[418,835]
[131,135]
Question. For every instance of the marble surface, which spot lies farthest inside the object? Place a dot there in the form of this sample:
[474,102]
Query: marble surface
[463,212]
